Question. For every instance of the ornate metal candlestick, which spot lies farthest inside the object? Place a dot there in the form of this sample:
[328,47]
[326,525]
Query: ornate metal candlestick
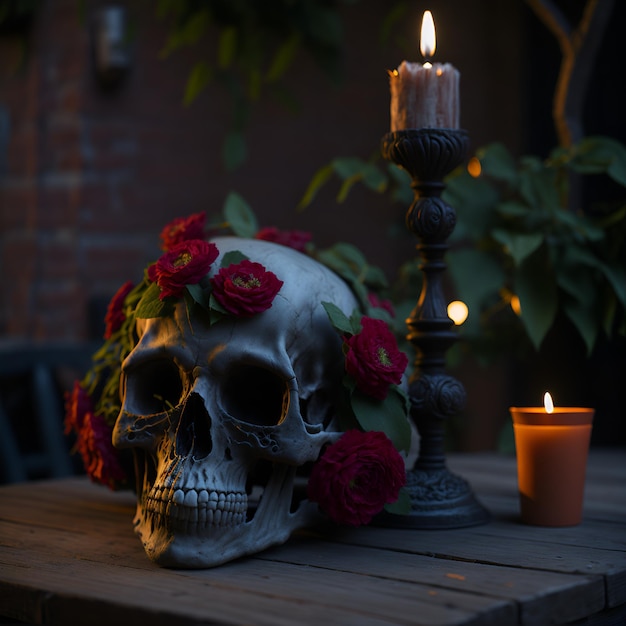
[439,499]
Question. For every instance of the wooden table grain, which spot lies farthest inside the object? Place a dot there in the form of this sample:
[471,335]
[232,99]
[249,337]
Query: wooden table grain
[68,555]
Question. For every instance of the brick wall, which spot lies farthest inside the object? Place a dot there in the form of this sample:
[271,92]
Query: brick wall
[84,169]
[91,177]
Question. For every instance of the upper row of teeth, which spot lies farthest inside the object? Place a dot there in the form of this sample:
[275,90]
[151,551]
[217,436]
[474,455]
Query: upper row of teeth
[232,501]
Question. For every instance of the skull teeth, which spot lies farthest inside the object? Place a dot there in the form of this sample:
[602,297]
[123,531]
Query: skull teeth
[201,508]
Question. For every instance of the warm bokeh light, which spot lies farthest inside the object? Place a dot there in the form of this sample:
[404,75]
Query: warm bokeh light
[458,312]
[474,168]
[428,41]
[515,305]
[547,402]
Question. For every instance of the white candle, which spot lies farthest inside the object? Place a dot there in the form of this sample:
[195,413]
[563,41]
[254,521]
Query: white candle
[425,96]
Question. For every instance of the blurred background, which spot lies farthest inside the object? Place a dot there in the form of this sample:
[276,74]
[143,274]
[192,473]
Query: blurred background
[116,118]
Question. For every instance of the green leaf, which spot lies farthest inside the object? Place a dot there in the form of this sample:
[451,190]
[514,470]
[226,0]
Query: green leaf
[615,274]
[344,190]
[475,200]
[375,277]
[538,186]
[199,78]
[347,167]
[233,258]
[338,318]
[512,209]
[234,150]
[239,215]
[535,285]
[388,416]
[402,506]
[216,307]
[199,295]
[351,254]
[191,31]
[317,182]
[496,161]
[580,224]
[151,305]
[594,155]
[575,279]
[518,245]
[374,178]
[227,47]
[345,259]
[617,277]
[583,317]
[283,58]
[196,26]
[402,192]
[477,277]
[355,321]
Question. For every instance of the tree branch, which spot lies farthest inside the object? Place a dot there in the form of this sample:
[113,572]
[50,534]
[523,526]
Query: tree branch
[579,49]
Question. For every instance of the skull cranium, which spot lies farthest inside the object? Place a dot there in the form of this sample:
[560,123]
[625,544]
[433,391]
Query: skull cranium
[215,414]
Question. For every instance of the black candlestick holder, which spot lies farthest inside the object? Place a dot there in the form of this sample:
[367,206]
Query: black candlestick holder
[439,499]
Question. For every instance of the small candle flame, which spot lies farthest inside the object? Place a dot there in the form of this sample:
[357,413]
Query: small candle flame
[547,402]
[428,41]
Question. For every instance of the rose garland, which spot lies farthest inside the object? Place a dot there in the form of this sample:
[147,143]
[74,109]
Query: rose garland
[355,477]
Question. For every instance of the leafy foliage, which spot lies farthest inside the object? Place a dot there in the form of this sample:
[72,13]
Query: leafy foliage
[530,242]
[255,44]
[518,240]
[362,410]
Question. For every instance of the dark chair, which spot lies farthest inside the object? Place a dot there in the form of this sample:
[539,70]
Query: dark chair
[33,379]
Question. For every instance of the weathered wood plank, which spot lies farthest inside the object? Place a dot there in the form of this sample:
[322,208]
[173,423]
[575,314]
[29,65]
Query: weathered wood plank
[89,572]
[482,545]
[543,597]
[67,549]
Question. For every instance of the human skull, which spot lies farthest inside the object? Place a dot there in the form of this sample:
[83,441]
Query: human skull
[216,413]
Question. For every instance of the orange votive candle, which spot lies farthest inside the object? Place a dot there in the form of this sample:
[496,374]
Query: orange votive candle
[552,450]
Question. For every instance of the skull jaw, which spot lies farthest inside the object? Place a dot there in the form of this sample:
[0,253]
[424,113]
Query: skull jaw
[175,545]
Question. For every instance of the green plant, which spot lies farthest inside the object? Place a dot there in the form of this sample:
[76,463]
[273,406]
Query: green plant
[255,43]
[519,239]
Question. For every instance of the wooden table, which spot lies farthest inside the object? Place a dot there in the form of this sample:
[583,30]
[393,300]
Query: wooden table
[68,555]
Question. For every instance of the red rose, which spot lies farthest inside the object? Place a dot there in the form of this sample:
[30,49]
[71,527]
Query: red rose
[373,358]
[186,263]
[296,239]
[356,476]
[246,288]
[115,315]
[378,303]
[183,229]
[96,449]
[77,405]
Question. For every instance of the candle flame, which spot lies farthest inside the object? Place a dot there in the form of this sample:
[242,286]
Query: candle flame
[428,41]
[547,402]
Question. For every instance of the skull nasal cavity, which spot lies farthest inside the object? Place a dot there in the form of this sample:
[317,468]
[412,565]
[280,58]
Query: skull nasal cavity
[193,435]
[256,395]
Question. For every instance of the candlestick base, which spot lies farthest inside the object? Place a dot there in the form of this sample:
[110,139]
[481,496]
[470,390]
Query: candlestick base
[439,499]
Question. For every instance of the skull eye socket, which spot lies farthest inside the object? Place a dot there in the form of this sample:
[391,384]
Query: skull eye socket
[154,387]
[256,395]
